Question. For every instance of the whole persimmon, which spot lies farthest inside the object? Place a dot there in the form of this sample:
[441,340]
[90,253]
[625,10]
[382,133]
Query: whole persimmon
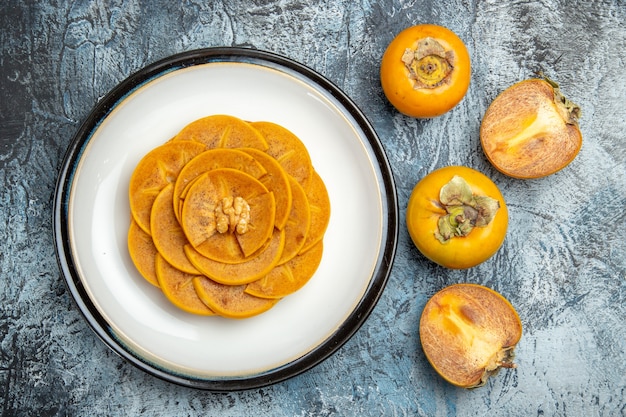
[457,217]
[425,71]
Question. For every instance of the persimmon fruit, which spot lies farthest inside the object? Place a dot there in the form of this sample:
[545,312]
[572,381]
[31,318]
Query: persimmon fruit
[531,130]
[468,332]
[425,71]
[457,217]
[228,217]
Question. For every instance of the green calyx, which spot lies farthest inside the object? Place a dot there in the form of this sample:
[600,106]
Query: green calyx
[464,210]
[570,111]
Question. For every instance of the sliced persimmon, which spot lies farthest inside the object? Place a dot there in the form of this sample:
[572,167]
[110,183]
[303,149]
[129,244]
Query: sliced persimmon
[288,278]
[319,204]
[167,235]
[531,130]
[156,169]
[298,223]
[177,286]
[210,160]
[277,181]
[200,216]
[230,301]
[253,268]
[142,252]
[222,131]
[468,332]
[288,150]
[225,211]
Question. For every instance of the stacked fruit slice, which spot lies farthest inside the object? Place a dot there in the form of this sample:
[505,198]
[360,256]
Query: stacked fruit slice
[228,217]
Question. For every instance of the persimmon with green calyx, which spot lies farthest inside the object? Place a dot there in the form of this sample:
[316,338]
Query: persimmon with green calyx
[425,71]
[457,217]
[468,332]
[531,130]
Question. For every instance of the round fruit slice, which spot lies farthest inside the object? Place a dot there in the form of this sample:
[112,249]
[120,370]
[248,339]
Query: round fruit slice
[178,287]
[319,204]
[142,252]
[288,150]
[228,215]
[155,170]
[277,181]
[222,131]
[252,269]
[210,160]
[298,223]
[290,277]
[230,300]
[167,235]
[468,332]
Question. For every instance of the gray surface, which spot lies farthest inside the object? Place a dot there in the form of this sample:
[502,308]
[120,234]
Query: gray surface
[562,265]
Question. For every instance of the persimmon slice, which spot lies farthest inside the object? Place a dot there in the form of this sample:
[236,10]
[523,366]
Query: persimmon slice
[319,205]
[289,277]
[199,216]
[155,170]
[210,160]
[288,150]
[230,300]
[222,131]
[228,216]
[277,181]
[298,223]
[167,235]
[253,268]
[142,252]
[177,286]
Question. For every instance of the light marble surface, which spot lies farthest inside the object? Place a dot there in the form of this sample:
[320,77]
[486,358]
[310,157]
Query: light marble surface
[562,265]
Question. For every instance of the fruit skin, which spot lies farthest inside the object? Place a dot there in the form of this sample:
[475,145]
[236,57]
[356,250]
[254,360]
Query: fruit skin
[468,332]
[531,130]
[400,88]
[424,211]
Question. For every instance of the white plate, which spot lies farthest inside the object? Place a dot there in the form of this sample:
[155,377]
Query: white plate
[92,217]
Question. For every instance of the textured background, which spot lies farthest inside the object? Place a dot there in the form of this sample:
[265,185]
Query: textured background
[562,265]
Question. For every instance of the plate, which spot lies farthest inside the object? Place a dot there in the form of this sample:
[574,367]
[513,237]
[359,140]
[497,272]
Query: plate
[92,218]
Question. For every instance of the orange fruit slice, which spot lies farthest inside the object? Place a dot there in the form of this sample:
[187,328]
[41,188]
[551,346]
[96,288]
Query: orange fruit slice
[167,235]
[142,252]
[222,131]
[230,300]
[319,204]
[178,287]
[277,181]
[155,170]
[250,270]
[288,278]
[288,150]
[298,223]
[200,216]
[210,160]
[228,216]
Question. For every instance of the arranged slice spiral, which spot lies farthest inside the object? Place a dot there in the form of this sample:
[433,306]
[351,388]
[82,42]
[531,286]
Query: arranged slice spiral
[228,217]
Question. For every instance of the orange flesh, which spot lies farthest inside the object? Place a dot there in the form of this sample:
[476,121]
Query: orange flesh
[467,332]
[179,190]
[526,133]
[178,287]
[142,252]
